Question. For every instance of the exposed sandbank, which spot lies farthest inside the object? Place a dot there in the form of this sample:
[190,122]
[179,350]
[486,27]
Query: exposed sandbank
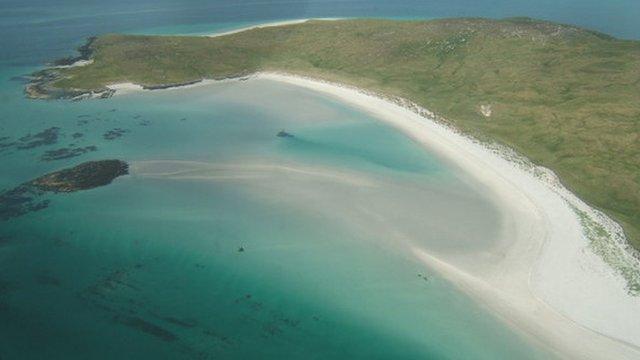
[266,25]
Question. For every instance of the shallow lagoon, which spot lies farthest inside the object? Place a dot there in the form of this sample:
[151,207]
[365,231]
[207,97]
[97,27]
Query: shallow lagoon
[228,241]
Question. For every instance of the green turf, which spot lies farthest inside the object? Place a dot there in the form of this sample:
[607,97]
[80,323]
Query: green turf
[567,98]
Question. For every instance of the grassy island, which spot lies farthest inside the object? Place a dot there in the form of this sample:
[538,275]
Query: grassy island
[567,98]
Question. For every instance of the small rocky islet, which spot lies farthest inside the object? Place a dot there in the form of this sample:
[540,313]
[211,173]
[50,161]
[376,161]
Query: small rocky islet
[27,197]
[88,175]
[284,134]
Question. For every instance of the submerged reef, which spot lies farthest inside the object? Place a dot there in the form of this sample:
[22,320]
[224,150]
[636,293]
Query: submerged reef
[114,133]
[46,137]
[28,197]
[65,153]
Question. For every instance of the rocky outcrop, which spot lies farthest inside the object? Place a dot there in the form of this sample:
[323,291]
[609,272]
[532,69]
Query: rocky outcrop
[29,196]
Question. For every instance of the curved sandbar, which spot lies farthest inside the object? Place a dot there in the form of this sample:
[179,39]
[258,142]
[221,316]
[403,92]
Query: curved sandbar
[543,279]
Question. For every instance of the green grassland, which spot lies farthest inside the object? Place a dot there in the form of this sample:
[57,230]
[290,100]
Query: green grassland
[567,98]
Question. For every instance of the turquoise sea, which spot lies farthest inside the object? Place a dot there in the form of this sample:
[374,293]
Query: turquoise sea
[228,242]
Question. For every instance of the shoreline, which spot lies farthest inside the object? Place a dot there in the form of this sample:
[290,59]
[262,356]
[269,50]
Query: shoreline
[536,281]
[547,282]
[266,25]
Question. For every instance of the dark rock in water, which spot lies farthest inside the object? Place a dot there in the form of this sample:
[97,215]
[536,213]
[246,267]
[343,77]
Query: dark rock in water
[66,153]
[146,327]
[241,249]
[114,133]
[85,51]
[284,134]
[46,137]
[85,176]
[27,197]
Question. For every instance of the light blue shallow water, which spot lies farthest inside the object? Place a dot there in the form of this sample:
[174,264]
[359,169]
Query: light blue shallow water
[149,266]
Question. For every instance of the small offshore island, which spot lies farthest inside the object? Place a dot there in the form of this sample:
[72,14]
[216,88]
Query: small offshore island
[25,198]
[566,98]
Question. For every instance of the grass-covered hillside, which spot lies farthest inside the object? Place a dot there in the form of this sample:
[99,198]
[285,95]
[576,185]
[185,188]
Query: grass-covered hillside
[567,98]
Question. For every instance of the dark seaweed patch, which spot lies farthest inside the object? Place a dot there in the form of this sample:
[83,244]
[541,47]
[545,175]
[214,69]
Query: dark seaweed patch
[114,133]
[19,201]
[5,143]
[77,135]
[147,327]
[46,137]
[115,280]
[186,323]
[66,153]
[217,336]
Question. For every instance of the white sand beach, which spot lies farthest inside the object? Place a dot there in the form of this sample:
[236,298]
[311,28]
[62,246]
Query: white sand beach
[266,25]
[543,278]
